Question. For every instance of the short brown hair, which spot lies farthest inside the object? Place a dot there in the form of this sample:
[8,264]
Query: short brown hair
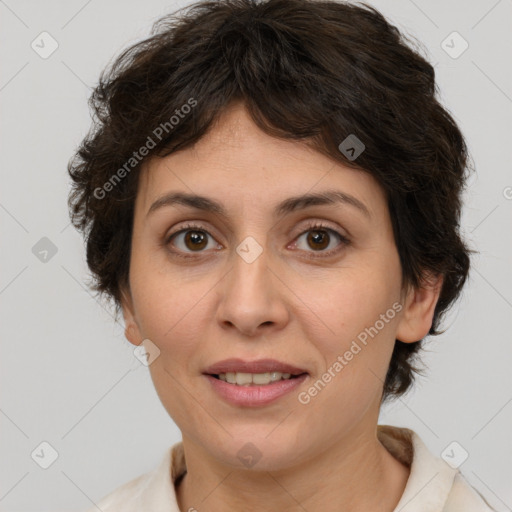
[317,71]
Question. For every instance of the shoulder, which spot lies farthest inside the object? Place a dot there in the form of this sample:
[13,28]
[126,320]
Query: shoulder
[153,491]
[464,497]
[124,497]
[433,484]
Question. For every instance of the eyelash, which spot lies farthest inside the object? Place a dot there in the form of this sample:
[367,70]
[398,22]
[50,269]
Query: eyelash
[314,226]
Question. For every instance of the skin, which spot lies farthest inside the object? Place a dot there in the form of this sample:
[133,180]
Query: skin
[321,456]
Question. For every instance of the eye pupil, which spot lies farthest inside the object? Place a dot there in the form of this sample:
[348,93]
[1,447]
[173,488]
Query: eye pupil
[197,238]
[318,238]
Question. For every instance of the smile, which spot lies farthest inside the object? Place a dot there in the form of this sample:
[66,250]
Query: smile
[252,379]
[253,383]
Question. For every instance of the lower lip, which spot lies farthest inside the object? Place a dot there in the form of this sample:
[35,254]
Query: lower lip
[254,396]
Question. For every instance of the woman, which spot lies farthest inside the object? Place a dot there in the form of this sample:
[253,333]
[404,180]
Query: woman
[271,196]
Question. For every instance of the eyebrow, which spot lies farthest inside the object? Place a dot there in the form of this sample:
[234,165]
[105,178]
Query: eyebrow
[327,197]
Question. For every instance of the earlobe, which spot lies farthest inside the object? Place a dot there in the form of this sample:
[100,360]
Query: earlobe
[131,330]
[419,307]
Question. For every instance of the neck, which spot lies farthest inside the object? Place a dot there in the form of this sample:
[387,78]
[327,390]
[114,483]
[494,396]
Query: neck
[356,473]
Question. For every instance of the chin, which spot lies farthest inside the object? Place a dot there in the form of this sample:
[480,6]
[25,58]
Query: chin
[257,451]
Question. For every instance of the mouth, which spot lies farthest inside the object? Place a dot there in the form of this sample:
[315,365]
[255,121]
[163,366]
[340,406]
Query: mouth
[254,383]
[259,372]
[254,379]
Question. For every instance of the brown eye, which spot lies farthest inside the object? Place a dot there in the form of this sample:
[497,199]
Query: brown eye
[195,240]
[319,239]
[190,239]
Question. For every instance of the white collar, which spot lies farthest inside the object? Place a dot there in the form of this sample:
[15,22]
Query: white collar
[427,490]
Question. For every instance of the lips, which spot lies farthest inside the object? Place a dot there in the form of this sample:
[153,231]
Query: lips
[254,383]
[258,366]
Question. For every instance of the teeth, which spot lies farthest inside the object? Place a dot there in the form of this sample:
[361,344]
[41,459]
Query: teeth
[243,379]
[248,379]
[261,378]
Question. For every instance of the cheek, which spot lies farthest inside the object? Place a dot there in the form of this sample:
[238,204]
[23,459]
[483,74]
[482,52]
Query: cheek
[355,339]
[173,315]
[172,319]
[170,306]
[352,323]
[342,309]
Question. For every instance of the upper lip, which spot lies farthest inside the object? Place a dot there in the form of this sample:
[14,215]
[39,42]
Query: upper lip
[258,366]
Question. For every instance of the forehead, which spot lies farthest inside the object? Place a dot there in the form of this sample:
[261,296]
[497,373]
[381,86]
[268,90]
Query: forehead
[236,161]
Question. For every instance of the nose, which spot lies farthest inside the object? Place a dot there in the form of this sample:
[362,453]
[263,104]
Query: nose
[253,297]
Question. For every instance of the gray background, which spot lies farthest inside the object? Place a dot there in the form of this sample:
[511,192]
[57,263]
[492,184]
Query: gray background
[68,376]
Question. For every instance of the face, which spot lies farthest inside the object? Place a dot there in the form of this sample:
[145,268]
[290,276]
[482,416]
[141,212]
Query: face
[313,286]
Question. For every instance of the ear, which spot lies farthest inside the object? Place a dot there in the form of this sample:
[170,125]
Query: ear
[131,329]
[419,309]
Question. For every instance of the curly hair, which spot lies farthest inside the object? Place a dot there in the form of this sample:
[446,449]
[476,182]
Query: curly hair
[309,70]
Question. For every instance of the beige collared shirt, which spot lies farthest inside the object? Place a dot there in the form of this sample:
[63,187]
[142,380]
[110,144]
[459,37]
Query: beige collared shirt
[433,486]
